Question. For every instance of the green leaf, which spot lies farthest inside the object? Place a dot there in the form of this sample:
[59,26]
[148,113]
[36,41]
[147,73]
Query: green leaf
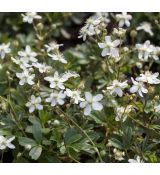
[24,141]
[35,152]
[116,143]
[43,115]
[71,136]
[37,132]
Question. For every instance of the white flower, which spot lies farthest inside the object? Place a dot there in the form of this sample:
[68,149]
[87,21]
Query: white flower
[118,155]
[4,143]
[42,67]
[91,102]
[124,19]
[52,46]
[21,62]
[27,55]
[103,17]
[75,95]
[138,87]
[25,77]
[117,87]
[56,98]
[149,77]
[146,26]
[84,33]
[34,103]
[56,81]
[4,48]
[91,28]
[136,160]
[109,47]
[144,50]
[30,16]
[122,112]
[157,108]
[58,57]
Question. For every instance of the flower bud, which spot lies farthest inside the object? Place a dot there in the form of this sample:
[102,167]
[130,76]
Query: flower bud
[156,97]
[103,153]
[28,147]
[40,26]
[56,123]
[133,33]
[139,65]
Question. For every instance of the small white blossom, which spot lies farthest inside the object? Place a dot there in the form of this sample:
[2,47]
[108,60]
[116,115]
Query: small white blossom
[75,95]
[34,103]
[56,98]
[136,160]
[122,112]
[146,26]
[52,46]
[109,47]
[117,87]
[58,57]
[103,17]
[4,143]
[91,28]
[4,49]
[91,102]
[144,50]
[124,19]
[21,62]
[30,16]
[25,77]
[138,87]
[42,67]
[149,77]
[118,155]
[28,55]
[56,81]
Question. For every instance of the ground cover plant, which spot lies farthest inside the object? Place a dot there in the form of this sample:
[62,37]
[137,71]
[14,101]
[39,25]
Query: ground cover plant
[79,87]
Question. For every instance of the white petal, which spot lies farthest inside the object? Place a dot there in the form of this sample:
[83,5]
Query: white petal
[98,97]
[116,43]
[11,146]
[88,96]
[134,89]
[83,104]
[97,106]
[107,39]
[60,101]
[52,85]
[144,90]
[31,109]
[101,45]
[127,23]
[105,52]
[121,23]
[11,139]
[87,110]
[119,92]
[39,106]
